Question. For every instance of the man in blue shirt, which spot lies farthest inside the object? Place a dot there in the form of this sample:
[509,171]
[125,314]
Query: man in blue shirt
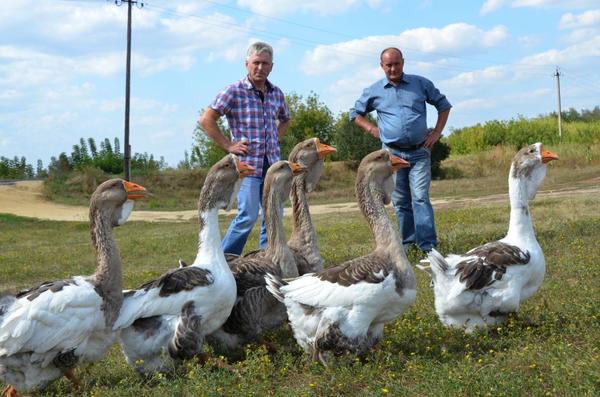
[399,100]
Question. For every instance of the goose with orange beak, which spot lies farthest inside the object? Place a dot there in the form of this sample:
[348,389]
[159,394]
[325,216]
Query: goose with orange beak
[481,287]
[344,308]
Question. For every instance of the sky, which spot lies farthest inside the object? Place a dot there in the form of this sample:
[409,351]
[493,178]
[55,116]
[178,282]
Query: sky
[62,62]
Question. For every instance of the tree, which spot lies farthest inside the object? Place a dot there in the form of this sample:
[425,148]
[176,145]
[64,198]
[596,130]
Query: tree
[308,119]
[204,151]
[351,142]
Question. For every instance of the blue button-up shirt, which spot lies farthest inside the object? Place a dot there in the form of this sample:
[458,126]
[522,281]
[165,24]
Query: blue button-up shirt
[401,111]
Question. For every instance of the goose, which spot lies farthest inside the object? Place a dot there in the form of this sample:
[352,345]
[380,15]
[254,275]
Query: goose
[164,321]
[45,331]
[479,288]
[303,241]
[344,308]
[255,309]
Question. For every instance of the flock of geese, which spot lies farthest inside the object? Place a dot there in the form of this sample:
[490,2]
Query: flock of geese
[46,331]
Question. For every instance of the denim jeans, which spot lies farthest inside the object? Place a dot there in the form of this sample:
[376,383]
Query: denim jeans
[411,199]
[249,203]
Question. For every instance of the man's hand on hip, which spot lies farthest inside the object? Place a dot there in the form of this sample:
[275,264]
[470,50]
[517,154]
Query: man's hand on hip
[432,137]
[238,147]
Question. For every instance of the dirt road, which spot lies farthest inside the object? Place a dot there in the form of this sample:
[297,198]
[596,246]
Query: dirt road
[24,198]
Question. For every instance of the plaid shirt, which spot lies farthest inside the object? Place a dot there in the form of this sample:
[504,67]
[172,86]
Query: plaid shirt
[253,119]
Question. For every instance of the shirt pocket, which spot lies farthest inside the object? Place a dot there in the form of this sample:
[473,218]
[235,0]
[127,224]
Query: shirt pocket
[413,100]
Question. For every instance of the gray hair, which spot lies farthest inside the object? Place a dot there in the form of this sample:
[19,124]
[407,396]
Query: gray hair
[258,48]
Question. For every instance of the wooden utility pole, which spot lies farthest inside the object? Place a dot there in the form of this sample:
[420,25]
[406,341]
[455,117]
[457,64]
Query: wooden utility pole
[127,153]
[557,75]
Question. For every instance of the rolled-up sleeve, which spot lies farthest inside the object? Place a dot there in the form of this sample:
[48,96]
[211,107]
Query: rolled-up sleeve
[222,103]
[362,106]
[436,98]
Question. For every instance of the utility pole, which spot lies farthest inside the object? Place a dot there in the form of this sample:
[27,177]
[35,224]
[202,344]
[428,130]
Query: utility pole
[127,154]
[557,75]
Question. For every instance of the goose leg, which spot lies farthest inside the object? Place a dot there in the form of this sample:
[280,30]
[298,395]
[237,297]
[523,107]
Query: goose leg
[10,391]
[70,375]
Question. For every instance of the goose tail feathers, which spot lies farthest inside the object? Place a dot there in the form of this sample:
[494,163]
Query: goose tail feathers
[274,284]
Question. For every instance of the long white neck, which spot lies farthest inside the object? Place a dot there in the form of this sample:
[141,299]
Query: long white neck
[520,225]
[209,240]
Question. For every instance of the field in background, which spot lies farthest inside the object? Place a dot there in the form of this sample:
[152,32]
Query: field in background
[552,347]
[469,175]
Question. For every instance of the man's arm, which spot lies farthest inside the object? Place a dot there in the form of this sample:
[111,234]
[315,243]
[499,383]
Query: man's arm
[209,124]
[369,128]
[436,134]
[283,127]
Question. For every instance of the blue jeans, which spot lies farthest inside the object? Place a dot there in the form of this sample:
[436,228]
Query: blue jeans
[249,203]
[411,199]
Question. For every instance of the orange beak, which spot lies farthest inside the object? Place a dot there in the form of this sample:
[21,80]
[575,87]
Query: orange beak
[244,169]
[548,156]
[324,149]
[297,168]
[134,191]
[398,163]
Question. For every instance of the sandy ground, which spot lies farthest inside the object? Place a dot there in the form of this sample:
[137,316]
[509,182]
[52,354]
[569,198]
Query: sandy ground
[24,198]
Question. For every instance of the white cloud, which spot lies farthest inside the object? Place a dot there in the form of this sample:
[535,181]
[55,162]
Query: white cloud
[493,5]
[588,18]
[451,39]
[286,7]
[527,67]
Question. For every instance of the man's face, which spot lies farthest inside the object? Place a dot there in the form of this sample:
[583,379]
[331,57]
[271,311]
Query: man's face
[392,64]
[259,66]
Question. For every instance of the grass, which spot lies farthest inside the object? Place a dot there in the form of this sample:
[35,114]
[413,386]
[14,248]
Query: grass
[470,176]
[552,347]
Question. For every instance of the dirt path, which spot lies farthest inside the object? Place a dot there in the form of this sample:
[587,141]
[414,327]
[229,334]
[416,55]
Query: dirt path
[24,198]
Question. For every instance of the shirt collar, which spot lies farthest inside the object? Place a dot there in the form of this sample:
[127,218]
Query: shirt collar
[387,83]
[248,84]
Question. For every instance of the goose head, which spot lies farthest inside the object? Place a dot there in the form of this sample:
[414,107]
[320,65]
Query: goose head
[115,196]
[280,175]
[223,182]
[529,166]
[311,153]
[377,170]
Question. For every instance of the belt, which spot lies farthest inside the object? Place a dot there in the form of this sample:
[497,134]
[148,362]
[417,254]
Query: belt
[397,146]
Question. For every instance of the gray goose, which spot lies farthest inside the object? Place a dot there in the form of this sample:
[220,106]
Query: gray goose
[46,330]
[344,308]
[303,241]
[255,309]
[164,321]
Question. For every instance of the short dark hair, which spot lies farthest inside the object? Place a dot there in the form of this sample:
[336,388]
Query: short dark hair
[390,49]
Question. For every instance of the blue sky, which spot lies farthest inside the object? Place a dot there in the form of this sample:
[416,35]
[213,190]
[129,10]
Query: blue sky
[62,62]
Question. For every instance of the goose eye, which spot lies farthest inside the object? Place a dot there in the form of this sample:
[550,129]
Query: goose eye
[227,165]
[531,150]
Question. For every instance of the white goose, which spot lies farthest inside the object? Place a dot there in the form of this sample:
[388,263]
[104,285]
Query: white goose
[164,321]
[46,330]
[481,287]
[255,309]
[345,308]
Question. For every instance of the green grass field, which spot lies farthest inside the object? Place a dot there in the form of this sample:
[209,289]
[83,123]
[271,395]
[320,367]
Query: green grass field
[552,347]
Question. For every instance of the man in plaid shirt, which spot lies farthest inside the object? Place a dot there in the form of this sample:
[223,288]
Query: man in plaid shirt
[257,116]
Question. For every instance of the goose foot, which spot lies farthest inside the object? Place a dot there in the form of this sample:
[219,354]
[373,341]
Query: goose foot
[10,391]
[70,375]
[320,357]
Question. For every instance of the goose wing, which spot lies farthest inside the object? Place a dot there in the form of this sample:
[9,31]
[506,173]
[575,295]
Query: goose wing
[354,282]
[249,272]
[486,264]
[59,316]
[165,295]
